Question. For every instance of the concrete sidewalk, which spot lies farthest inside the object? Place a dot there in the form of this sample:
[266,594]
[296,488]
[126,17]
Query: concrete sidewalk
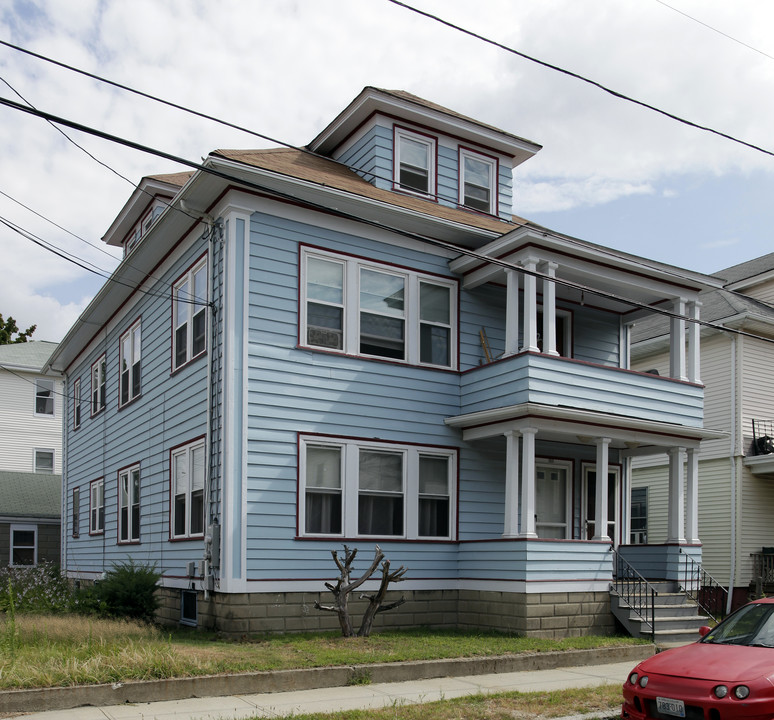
[274,705]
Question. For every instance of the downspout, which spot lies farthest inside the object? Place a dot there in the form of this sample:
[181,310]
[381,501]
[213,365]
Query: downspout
[732,461]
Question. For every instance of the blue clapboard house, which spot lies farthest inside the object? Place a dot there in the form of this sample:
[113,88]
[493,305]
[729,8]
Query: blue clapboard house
[358,342]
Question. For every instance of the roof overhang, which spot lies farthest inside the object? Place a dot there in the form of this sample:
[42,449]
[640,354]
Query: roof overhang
[373,100]
[760,465]
[631,435]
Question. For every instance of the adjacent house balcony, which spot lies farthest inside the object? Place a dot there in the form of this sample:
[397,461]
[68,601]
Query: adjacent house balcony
[558,381]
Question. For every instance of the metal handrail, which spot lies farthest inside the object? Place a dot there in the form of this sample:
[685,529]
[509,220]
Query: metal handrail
[703,589]
[635,591]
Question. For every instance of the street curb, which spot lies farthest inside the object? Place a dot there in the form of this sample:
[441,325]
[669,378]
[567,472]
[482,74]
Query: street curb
[63,698]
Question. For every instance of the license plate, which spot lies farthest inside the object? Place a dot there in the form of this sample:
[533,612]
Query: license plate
[670,707]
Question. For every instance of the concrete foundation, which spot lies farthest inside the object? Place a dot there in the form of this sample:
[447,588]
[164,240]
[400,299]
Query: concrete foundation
[545,615]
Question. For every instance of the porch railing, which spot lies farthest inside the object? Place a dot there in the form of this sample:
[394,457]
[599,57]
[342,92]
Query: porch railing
[763,570]
[702,588]
[636,592]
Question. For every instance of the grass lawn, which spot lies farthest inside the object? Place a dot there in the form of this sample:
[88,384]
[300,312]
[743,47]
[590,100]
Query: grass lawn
[61,650]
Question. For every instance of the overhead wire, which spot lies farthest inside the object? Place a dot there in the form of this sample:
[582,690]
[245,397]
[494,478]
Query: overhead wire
[582,78]
[330,210]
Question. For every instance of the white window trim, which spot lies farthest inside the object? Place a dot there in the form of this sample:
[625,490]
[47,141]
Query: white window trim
[351,310]
[192,310]
[493,179]
[350,486]
[94,505]
[98,390]
[22,528]
[35,459]
[431,143]
[566,465]
[133,533]
[52,414]
[130,333]
[187,451]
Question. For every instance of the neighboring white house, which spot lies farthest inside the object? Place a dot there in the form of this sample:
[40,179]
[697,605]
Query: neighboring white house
[736,491]
[31,465]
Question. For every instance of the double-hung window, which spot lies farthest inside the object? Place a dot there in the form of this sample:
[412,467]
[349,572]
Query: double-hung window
[76,516]
[98,385]
[24,545]
[187,503]
[44,397]
[130,354]
[478,182]
[129,505]
[76,404]
[44,460]
[369,309]
[354,488]
[97,507]
[414,162]
[189,311]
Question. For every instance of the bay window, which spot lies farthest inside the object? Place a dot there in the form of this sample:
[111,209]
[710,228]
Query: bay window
[369,309]
[352,488]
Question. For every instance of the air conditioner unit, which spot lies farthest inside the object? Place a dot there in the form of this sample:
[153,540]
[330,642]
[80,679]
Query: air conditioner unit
[323,337]
[764,445]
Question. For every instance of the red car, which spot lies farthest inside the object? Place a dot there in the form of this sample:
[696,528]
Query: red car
[727,675]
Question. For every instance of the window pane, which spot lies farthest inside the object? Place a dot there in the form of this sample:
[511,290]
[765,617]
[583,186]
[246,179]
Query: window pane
[325,280]
[197,468]
[180,472]
[197,512]
[433,475]
[434,517]
[179,514]
[434,303]
[44,461]
[182,295]
[382,293]
[380,515]
[199,339]
[381,471]
[44,397]
[551,496]
[200,286]
[414,153]
[181,345]
[478,184]
[323,512]
[434,345]
[323,467]
[324,326]
[382,336]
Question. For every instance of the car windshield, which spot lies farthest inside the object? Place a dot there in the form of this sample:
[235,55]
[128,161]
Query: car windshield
[751,625]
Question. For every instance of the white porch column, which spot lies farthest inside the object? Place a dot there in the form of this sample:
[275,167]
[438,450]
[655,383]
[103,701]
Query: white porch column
[530,306]
[676,532]
[549,309]
[692,498]
[600,517]
[528,529]
[694,370]
[511,513]
[677,342]
[512,313]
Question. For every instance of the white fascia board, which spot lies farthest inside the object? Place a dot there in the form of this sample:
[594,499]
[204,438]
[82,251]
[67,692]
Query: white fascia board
[749,282]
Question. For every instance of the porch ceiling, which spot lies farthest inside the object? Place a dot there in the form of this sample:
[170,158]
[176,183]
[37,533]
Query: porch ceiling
[633,436]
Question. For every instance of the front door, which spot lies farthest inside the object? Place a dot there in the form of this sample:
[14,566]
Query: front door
[590,502]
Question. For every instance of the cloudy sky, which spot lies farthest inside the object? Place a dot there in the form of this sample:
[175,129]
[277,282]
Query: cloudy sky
[610,171]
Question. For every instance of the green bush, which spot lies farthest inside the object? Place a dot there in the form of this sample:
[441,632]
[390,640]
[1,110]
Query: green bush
[39,589]
[128,590]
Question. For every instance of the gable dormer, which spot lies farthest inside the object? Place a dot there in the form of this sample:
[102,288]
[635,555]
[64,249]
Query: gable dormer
[400,142]
[150,198]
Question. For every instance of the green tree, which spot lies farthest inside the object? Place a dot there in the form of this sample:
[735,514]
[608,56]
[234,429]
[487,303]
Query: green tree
[9,328]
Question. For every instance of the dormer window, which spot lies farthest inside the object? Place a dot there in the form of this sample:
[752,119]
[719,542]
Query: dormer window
[414,162]
[478,181]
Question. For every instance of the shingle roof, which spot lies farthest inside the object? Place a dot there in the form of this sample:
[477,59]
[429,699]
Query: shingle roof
[30,495]
[322,171]
[747,269]
[31,354]
[178,178]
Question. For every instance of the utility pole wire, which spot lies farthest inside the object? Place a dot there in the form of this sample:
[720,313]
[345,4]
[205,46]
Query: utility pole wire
[575,75]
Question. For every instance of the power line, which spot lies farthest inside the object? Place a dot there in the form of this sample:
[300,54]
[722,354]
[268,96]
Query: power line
[719,32]
[372,223]
[570,73]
